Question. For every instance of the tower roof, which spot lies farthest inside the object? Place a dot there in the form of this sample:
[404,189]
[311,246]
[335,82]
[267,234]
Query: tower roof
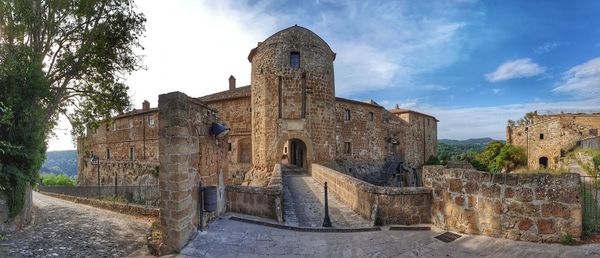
[292,34]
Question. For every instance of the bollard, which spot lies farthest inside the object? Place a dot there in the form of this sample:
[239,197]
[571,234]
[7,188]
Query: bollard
[326,220]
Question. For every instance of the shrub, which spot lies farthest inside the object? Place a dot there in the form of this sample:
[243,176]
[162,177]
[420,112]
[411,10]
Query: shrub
[57,180]
[567,240]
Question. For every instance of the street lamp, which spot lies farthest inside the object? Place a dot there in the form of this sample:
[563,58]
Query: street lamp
[96,160]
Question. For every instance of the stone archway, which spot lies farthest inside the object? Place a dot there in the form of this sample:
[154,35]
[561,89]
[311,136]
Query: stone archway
[303,145]
[297,152]
[543,162]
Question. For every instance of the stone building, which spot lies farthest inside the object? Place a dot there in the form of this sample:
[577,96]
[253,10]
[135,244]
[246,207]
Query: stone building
[548,137]
[125,150]
[288,114]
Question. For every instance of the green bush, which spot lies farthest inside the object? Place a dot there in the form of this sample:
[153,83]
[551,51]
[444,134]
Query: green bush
[433,160]
[596,161]
[57,180]
[567,240]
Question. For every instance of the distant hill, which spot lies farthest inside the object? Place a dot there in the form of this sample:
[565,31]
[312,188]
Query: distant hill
[476,141]
[60,162]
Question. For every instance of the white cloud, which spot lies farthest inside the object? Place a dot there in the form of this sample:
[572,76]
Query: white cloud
[547,47]
[583,79]
[520,68]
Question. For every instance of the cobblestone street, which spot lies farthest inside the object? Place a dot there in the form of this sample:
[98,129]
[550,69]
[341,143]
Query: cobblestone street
[304,200]
[228,238]
[66,229]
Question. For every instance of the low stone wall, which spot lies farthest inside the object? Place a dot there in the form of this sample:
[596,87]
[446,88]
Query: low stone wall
[125,208]
[19,221]
[382,205]
[528,207]
[266,202]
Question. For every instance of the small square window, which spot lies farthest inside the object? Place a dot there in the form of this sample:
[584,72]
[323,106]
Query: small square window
[295,59]
[541,136]
[347,115]
[347,147]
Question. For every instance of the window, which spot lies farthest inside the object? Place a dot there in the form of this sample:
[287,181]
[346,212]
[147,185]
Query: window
[130,123]
[107,127]
[371,116]
[107,153]
[347,115]
[131,153]
[541,136]
[95,130]
[150,122]
[295,59]
[115,126]
[348,148]
[229,148]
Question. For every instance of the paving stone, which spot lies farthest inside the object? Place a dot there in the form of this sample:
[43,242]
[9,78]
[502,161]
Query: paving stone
[65,229]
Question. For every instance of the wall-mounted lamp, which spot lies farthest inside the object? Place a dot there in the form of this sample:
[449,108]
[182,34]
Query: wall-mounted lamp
[218,130]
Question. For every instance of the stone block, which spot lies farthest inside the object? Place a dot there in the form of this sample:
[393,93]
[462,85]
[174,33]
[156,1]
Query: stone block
[555,209]
[525,224]
[471,187]
[455,185]
[545,226]
[490,190]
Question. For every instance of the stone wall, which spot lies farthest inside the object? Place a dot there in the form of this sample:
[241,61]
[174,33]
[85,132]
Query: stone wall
[590,143]
[529,207]
[189,157]
[266,202]
[385,205]
[19,221]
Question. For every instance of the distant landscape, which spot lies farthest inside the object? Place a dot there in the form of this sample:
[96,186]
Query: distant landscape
[460,149]
[60,162]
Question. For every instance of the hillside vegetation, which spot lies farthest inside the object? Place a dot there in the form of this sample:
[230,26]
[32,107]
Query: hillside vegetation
[60,162]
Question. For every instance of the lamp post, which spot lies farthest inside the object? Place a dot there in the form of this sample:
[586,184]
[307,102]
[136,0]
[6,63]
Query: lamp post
[326,220]
[95,159]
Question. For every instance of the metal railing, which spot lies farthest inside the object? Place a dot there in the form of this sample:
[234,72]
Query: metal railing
[590,191]
[147,195]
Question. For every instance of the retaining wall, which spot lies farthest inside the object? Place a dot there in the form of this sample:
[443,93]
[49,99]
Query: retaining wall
[266,202]
[382,205]
[529,207]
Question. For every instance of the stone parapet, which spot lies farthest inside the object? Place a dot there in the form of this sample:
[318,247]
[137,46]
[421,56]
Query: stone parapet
[266,202]
[382,205]
[529,207]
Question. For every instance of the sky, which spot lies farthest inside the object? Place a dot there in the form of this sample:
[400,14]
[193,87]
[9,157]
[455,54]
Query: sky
[471,64]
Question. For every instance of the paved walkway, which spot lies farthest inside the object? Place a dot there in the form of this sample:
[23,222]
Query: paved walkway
[228,238]
[303,203]
[66,229]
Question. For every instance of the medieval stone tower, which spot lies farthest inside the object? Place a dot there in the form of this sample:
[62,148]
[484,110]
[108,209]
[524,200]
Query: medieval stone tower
[293,99]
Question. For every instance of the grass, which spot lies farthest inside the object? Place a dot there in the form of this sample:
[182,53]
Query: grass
[567,240]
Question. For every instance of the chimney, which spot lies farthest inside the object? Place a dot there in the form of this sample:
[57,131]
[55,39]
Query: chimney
[145,105]
[231,82]
[397,106]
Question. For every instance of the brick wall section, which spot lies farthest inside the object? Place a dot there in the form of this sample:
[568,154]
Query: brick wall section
[408,205]
[266,202]
[125,208]
[188,156]
[528,207]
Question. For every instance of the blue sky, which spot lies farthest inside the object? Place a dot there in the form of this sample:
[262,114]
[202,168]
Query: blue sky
[472,64]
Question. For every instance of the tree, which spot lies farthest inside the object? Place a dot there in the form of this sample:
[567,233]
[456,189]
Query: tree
[60,57]
[499,157]
[85,48]
[488,155]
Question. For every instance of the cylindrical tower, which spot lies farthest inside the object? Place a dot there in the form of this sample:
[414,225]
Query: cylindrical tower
[293,98]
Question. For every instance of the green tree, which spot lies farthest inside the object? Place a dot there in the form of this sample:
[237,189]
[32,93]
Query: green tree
[509,158]
[489,153]
[60,57]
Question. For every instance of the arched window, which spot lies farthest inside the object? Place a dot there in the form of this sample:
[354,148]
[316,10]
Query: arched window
[295,59]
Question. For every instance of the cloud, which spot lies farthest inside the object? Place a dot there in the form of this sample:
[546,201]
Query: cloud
[582,80]
[520,68]
[547,47]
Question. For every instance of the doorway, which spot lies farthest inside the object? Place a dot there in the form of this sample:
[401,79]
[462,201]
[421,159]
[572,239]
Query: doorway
[543,162]
[296,150]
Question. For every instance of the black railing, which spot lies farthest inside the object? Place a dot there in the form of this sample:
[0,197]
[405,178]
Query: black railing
[147,195]
[590,191]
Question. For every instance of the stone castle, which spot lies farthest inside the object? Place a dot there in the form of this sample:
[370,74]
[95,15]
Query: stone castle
[546,138]
[289,114]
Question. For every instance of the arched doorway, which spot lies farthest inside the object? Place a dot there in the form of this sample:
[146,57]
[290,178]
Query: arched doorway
[543,162]
[296,150]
